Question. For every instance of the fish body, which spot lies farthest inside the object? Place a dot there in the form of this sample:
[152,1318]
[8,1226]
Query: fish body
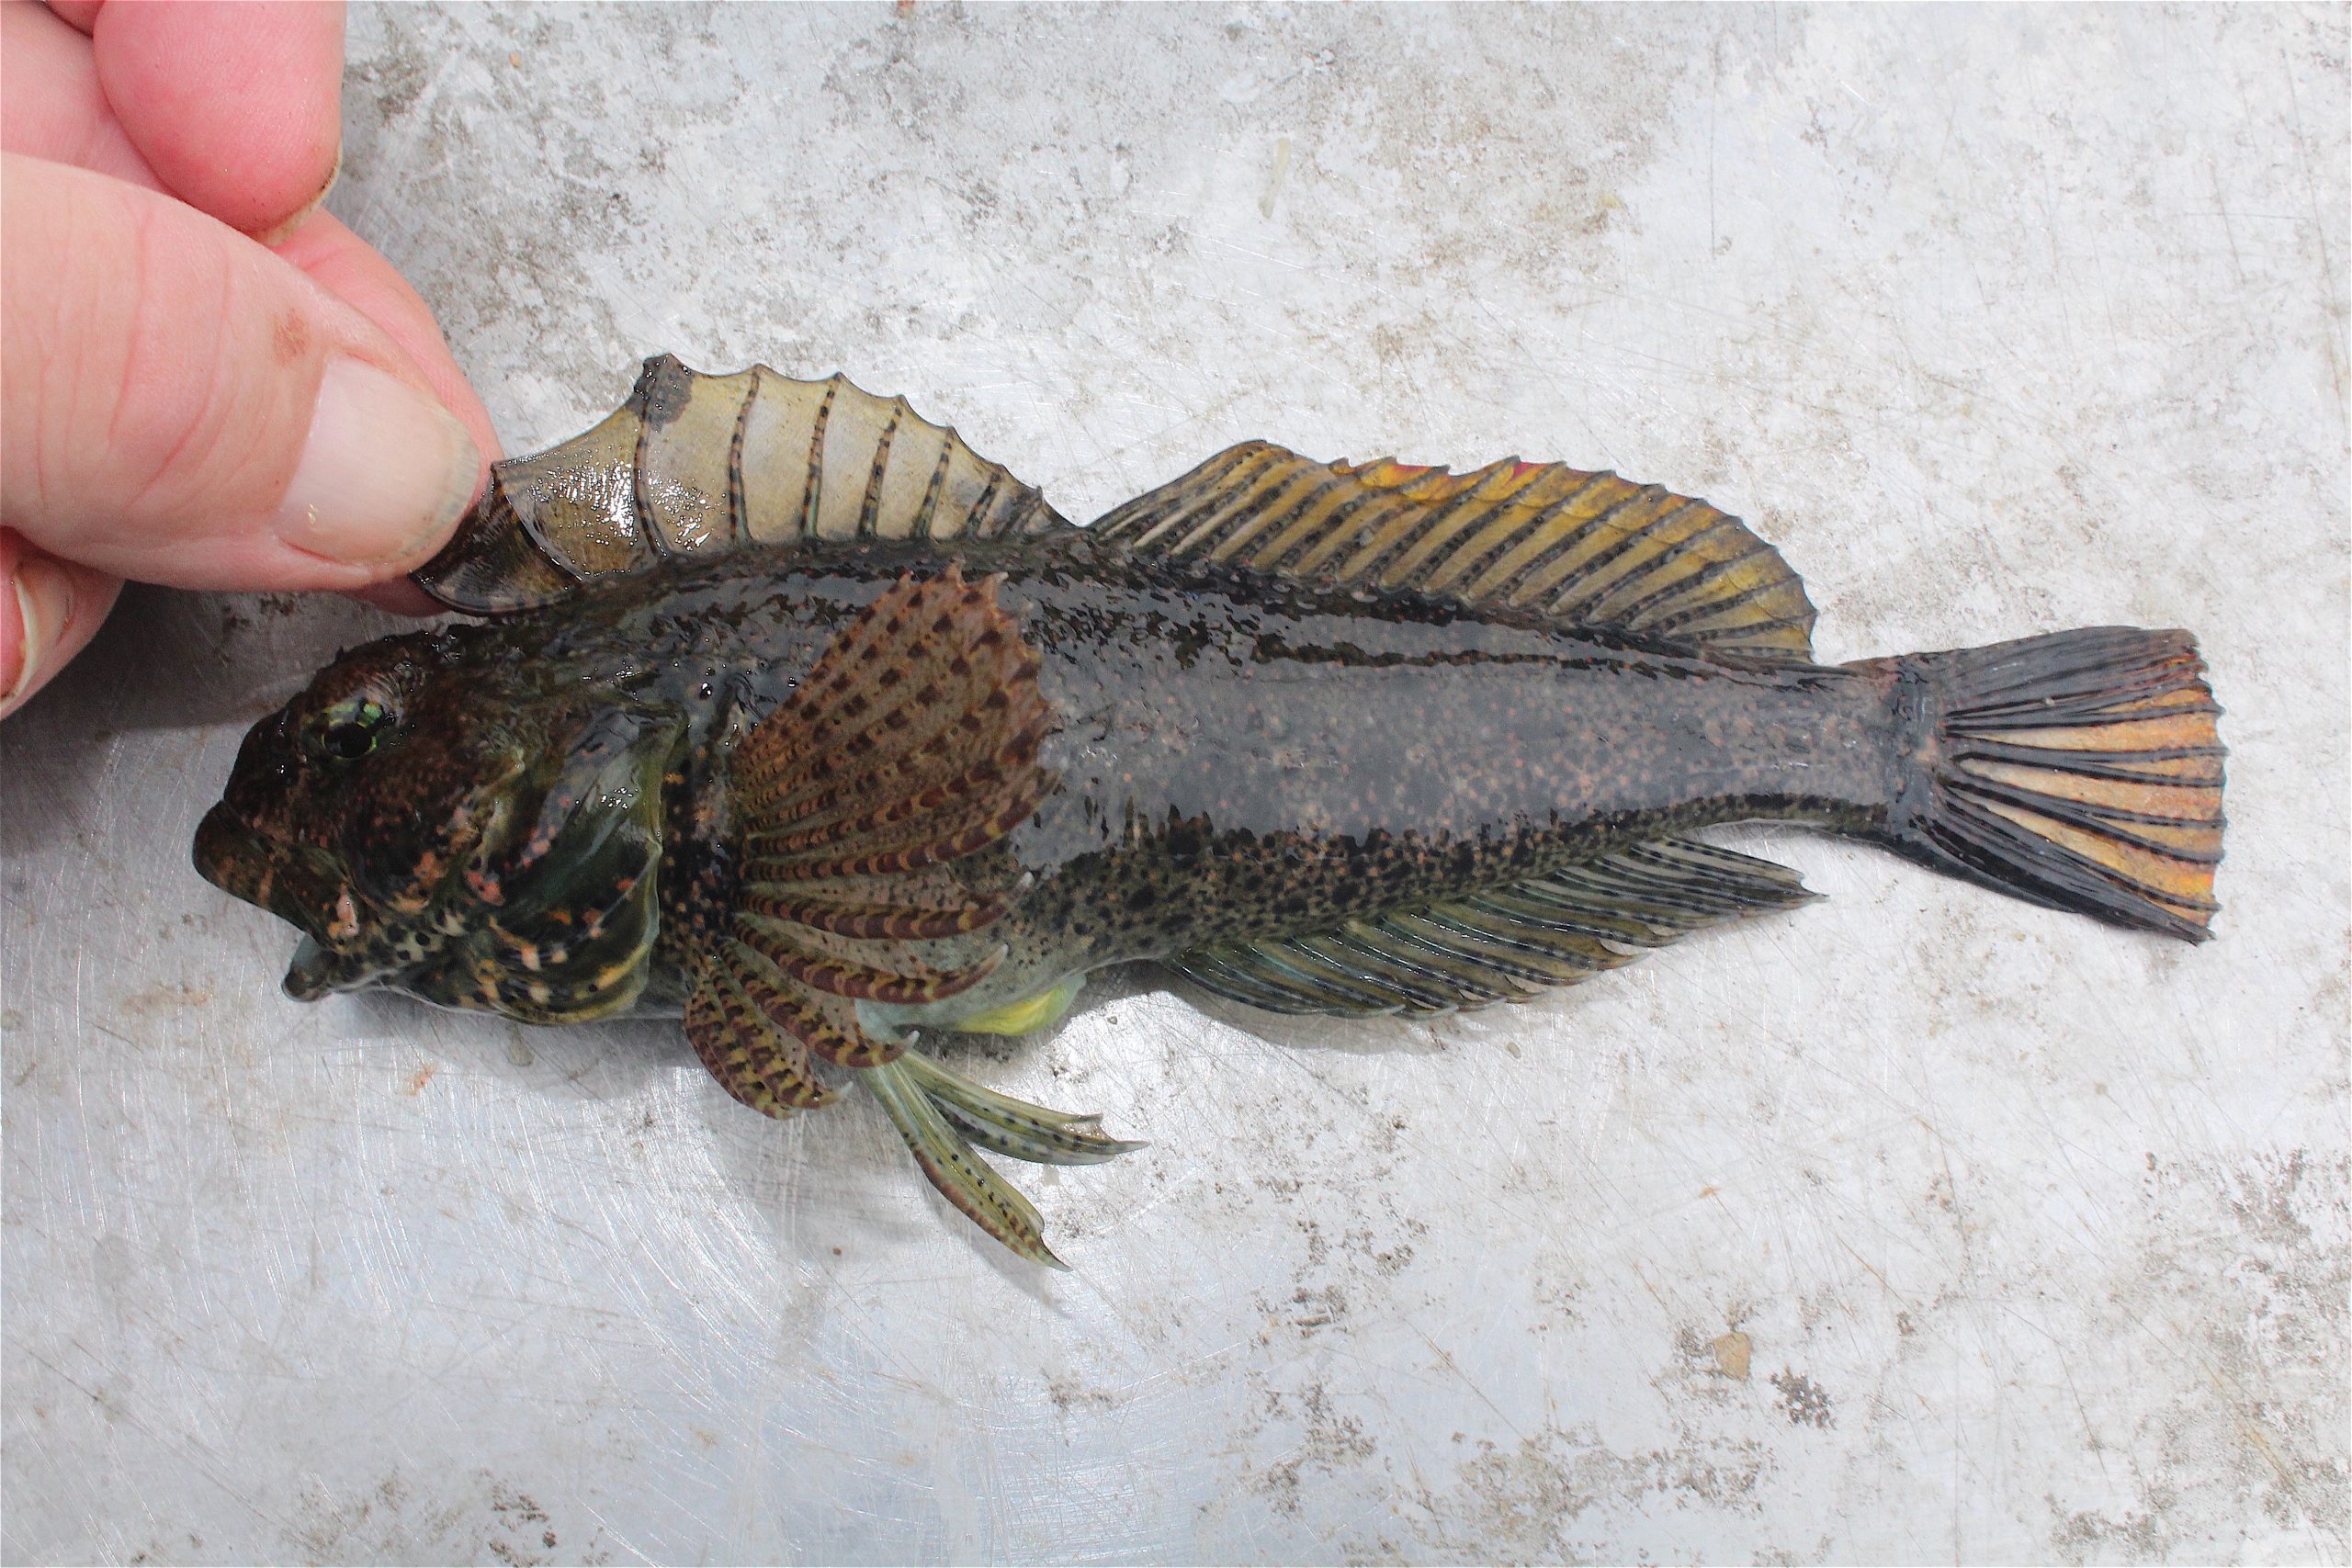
[897,750]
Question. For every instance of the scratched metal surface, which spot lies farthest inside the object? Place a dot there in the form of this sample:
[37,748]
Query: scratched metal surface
[1921,1225]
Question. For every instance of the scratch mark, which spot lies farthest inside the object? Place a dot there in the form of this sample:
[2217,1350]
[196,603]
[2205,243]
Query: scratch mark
[2221,201]
[1714,90]
[1275,184]
[2319,230]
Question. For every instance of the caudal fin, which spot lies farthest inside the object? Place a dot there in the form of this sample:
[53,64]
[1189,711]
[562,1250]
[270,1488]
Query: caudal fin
[2080,769]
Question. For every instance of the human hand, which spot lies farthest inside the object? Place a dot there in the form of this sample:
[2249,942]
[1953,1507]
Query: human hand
[205,381]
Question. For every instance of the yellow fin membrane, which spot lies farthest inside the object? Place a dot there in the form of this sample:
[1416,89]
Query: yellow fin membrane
[1043,1011]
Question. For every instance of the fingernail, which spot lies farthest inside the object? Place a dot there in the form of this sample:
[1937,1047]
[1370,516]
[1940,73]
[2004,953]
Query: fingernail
[283,231]
[45,603]
[385,475]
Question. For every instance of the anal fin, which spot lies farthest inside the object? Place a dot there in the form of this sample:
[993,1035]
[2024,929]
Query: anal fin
[1503,944]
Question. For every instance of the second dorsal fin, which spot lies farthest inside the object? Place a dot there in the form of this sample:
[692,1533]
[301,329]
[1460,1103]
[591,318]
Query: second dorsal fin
[700,464]
[1588,550]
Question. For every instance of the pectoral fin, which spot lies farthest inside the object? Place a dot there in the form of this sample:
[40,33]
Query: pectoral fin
[875,803]
[570,916]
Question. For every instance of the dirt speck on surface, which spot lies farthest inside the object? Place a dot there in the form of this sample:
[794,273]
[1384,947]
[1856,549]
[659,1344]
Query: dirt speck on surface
[1802,1401]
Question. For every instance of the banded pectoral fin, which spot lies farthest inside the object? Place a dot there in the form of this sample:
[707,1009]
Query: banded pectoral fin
[875,806]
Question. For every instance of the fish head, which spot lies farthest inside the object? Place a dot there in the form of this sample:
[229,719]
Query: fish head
[440,816]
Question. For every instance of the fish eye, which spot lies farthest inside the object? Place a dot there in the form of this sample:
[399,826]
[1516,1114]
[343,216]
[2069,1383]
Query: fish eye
[351,728]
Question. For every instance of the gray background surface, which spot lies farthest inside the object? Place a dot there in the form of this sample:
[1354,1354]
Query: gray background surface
[1921,1225]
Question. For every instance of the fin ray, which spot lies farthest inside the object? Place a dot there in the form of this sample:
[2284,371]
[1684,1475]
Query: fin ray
[1586,550]
[2081,770]
[960,1176]
[1014,1127]
[1500,945]
[696,463]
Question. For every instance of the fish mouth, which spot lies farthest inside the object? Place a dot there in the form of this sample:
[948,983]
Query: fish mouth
[317,971]
[234,857]
[247,862]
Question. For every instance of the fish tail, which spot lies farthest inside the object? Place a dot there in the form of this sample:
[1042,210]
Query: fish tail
[2081,771]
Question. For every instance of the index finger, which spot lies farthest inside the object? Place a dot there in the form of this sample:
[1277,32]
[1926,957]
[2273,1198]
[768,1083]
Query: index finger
[236,107]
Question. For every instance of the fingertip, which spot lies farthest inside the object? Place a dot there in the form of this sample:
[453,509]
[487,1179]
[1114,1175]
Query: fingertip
[386,472]
[185,407]
[401,596]
[354,272]
[48,611]
[236,107]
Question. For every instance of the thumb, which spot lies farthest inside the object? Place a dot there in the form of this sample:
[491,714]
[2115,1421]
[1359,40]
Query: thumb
[180,406]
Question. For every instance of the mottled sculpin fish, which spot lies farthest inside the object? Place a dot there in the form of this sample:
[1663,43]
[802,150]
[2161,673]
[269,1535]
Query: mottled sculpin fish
[791,715]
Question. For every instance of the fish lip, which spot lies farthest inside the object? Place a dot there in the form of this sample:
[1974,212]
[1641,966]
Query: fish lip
[245,863]
[311,975]
[221,834]
[233,854]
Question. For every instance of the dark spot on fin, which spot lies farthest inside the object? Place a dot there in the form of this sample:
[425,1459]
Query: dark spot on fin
[661,393]
[695,464]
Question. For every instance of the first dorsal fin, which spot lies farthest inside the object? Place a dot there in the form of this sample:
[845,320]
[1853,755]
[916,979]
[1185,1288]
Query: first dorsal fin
[700,465]
[1587,549]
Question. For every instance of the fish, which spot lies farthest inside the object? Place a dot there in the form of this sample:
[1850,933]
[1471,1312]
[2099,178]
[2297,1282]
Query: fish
[781,711]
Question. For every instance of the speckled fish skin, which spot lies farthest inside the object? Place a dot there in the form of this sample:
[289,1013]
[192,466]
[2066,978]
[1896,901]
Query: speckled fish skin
[896,750]
[1240,754]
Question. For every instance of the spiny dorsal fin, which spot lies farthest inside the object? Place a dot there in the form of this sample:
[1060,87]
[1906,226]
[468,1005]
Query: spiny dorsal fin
[1502,945]
[700,465]
[1587,549]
